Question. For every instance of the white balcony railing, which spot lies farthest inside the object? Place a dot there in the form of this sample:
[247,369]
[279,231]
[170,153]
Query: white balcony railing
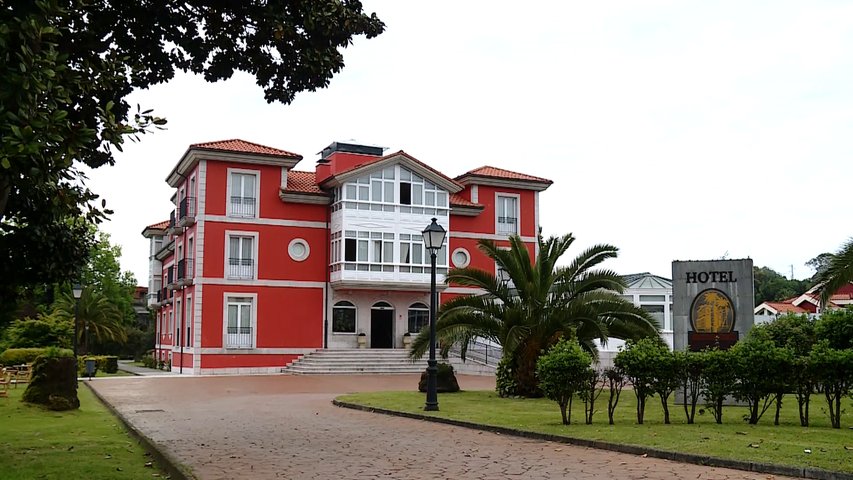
[239,337]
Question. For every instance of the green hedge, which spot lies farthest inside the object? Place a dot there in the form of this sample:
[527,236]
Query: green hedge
[103,363]
[20,356]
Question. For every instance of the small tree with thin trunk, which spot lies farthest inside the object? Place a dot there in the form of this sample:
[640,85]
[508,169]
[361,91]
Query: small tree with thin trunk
[718,380]
[638,361]
[615,380]
[590,393]
[760,367]
[563,372]
[803,380]
[691,371]
[834,372]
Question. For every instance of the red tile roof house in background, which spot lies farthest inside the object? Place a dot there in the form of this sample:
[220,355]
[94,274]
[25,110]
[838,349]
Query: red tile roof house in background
[260,264]
[807,303]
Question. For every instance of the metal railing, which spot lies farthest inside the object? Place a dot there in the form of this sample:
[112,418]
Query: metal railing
[238,337]
[242,207]
[185,268]
[170,275]
[186,208]
[481,352]
[241,268]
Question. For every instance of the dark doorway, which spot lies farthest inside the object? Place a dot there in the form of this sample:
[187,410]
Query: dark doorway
[381,327]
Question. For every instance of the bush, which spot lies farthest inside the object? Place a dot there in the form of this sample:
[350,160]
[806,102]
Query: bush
[54,381]
[639,362]
[110,364]
[836,327]
[81,365]
[445,380]
[615,380]
[43,331]
[563,372]
[833,370]
[20,356]
[692,368]
[762,371]
[505,383]
[149,361]
[718,380]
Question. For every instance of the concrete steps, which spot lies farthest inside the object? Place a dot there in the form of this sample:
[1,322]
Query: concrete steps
[356,361]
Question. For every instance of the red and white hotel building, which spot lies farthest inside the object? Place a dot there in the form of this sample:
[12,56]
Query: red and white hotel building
[260,264]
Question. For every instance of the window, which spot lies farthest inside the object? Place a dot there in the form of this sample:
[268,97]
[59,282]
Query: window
[298,249]
[503,276]
[425,197]
[368,251]
[418,317]
[343,318]
[178,323]
[657,312]
[507,212]
[413,252]
[461,258]
[188,321]
[243,194]
[238,330]
[241,253]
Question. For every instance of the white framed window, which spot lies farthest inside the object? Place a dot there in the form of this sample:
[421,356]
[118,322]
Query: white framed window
[418,317]
[243,193]
[367,251]
[298,249]
[506,214]
[424,196]
[177,341]
[240,255]
[171,323]
[343,317]
[240,325]
[415,258]
[188,322]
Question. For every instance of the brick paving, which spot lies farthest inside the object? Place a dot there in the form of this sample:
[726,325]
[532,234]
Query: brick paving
[284,427]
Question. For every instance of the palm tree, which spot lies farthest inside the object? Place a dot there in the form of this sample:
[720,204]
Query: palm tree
[838,272]
[104,319]
[541,304]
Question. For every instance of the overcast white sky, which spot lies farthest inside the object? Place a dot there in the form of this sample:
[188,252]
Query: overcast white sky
[672,129]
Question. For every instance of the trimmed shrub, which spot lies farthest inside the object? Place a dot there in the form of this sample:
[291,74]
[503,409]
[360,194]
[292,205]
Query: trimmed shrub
[692,366]
[445,380]
[20,356]
[110,364]
[639,362]
[718,381]
[833,370]
[563,372]
[762,371]
[836,327]
[54,381]
[615,380]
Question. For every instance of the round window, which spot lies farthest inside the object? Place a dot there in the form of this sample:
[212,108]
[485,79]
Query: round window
[298,249]
[461,258]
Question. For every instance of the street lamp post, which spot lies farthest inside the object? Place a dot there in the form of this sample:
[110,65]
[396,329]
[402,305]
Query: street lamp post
[77,291]
[433,239]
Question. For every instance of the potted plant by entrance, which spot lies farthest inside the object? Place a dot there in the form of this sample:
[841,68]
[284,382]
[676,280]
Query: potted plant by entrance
[407,340]
[362,340]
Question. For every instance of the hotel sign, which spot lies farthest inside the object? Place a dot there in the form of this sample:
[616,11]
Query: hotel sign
[712,303]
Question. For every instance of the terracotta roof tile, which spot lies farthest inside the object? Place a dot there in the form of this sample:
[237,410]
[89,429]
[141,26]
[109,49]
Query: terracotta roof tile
[495,172]
[302,182]
[783,307]
[242,146]
[159,225]
[458,200]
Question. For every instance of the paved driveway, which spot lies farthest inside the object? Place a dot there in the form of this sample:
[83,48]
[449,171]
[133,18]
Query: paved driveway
[285,427]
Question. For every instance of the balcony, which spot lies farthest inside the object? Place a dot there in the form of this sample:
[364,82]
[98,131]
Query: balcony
[241,268]
[165,251]
[239,337]
[186,212]
[171,281]
[242,207]
[186,271]
[367,275]
[164,296]
[173,228]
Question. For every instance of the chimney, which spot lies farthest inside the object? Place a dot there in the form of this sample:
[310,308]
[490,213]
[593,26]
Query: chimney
[343,156]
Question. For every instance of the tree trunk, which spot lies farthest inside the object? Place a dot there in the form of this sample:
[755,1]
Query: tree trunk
[641,408]
[718,410]
[663,401]
[563,412]
[778,408]
[525,377]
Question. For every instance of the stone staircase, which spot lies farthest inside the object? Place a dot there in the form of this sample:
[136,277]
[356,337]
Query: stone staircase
[372,361]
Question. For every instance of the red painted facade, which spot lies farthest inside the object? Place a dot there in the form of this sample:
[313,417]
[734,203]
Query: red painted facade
[248,254]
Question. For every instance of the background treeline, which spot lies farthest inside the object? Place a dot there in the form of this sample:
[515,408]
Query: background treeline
[43,315]
[792,356]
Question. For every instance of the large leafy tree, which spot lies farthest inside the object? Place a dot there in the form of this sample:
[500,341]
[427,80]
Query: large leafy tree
[837,273]
[540,304]
[67,66]
[770,286]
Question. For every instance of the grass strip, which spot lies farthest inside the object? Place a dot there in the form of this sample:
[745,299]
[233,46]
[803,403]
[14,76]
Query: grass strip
[815,447]
[89,443]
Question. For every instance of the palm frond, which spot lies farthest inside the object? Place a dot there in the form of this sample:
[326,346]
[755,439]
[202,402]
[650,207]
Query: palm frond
[838,273]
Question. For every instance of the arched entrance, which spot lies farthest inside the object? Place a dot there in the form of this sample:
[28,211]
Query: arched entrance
[381,325]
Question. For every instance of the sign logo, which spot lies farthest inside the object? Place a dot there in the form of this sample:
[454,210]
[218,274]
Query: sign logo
[712,312]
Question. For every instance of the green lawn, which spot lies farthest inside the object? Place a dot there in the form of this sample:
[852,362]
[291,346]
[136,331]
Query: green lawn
[89,443]
[735,439]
